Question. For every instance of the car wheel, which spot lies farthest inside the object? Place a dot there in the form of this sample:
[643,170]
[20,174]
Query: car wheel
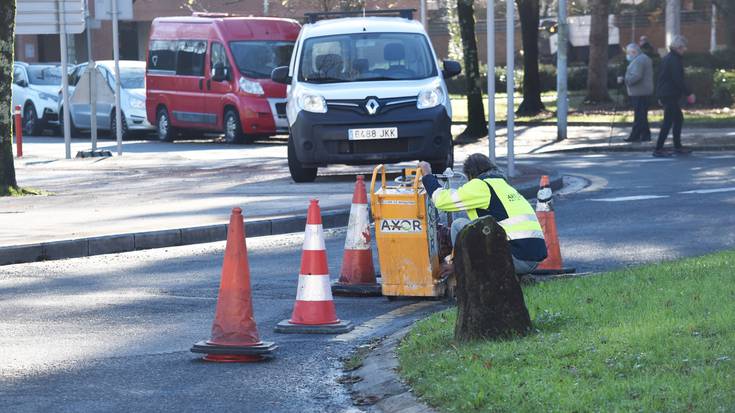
[298,172]
[440,166]
[31,123]
[113,126]
[163,126]
[233,129]
[73,131]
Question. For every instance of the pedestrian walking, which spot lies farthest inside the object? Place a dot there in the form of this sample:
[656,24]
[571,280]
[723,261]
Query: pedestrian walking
[639,81]
[647,47]
[670,89]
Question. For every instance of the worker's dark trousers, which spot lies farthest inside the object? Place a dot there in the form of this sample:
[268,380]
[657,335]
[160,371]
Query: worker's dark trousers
[672,116]
[641,130]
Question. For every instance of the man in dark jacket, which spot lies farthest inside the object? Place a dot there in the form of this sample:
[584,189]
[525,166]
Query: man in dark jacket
[670,88]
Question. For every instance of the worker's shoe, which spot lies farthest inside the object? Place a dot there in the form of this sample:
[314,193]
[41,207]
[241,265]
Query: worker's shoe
[661,153]
[682,151]
[631,139]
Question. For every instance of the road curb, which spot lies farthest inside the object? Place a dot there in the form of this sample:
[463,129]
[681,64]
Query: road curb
[377,384]
[602,148]
[117,243]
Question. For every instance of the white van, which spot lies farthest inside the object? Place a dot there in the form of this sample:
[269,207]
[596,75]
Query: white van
[366,90]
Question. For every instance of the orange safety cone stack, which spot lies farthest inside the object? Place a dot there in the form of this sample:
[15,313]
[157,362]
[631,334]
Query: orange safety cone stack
[314,310]
[545,214]
[234,333]
[357,276]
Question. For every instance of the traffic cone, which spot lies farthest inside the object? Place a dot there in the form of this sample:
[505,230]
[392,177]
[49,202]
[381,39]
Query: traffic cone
[545,214]
[357,276]
[234,333]
[314,310]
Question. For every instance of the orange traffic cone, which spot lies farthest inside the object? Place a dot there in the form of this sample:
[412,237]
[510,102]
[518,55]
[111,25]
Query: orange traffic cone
[234,333]
[314,310]
[357,276]
[545,214]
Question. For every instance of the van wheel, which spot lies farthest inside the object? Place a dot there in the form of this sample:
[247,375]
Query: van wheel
[233,129]
[73,131]
[165,131]
[440,166]
[298,172]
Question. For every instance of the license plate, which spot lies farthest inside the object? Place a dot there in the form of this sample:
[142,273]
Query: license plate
[372,133]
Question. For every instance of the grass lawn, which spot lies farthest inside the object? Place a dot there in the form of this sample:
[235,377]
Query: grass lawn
[578,112]
[658,338]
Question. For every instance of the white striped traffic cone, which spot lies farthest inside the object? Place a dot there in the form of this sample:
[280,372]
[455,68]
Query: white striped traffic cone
[357,276]
[314,310]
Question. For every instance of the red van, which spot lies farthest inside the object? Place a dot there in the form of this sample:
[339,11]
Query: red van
[211,73]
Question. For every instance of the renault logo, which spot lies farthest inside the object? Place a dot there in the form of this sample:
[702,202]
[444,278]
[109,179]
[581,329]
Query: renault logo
[372,106]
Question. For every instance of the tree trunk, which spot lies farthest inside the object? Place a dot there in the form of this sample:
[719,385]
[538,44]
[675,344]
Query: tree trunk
[7,38]
[597,73]
[476,124]
[528,11]
[490,302]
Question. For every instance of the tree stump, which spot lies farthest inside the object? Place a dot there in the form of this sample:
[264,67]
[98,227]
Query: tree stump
[490,302]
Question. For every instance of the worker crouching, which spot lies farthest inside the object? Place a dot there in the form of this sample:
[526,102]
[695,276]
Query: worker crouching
[488,193]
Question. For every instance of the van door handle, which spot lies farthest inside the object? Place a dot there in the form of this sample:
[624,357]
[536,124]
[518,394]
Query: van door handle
[201,84]
[209,84]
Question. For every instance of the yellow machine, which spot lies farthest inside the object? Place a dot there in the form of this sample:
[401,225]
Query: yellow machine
[405,231]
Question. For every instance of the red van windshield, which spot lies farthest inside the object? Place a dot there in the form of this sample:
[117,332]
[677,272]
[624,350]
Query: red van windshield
[257,59]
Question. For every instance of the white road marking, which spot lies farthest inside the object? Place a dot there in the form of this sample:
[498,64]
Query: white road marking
[650,160]
[708,191]
[720,157]
[629,198]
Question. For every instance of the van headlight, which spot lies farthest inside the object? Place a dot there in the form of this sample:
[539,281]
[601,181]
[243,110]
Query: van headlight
[136,103]
[312,103]
[248,86]
[48,96]
[430,98]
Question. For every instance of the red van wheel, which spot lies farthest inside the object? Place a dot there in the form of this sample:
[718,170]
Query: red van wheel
[233,129]
[166,132]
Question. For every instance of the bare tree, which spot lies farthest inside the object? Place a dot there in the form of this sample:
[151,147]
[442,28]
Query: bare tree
[476,125]
[597,72]
[7,42]
[528,11]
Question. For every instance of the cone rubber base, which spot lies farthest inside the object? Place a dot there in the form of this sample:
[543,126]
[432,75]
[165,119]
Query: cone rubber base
[357,290]
[343,326]
[234,354]
[554,272]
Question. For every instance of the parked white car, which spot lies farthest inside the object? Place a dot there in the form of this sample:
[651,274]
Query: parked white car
[364,91]
[36,90]
[132,98]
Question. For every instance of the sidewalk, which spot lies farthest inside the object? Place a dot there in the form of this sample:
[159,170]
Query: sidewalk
[160,194]
[542,139]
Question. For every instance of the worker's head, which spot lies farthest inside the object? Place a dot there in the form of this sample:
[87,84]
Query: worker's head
[678,44]
[632,51]
[643,40]
[477,164]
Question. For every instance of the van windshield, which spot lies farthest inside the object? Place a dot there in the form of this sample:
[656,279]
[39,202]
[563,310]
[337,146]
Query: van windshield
[257,59]
[366,56]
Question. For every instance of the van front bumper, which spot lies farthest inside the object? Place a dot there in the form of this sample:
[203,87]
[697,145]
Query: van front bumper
[321,139]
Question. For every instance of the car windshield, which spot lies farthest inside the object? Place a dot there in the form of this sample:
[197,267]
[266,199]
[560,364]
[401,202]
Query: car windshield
[365,57]
[44,75]
[132,77]
[257,59]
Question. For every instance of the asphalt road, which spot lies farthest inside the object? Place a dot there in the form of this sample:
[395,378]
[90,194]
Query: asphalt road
[112,333]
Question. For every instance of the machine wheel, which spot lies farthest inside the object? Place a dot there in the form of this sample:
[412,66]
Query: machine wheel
[439,166]
[31,124]
[166,132]
[113,126]
[298,172]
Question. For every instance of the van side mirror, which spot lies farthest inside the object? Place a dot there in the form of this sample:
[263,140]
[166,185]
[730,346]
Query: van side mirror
[22,83]
[451,68]
[280,75]
[220,74]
